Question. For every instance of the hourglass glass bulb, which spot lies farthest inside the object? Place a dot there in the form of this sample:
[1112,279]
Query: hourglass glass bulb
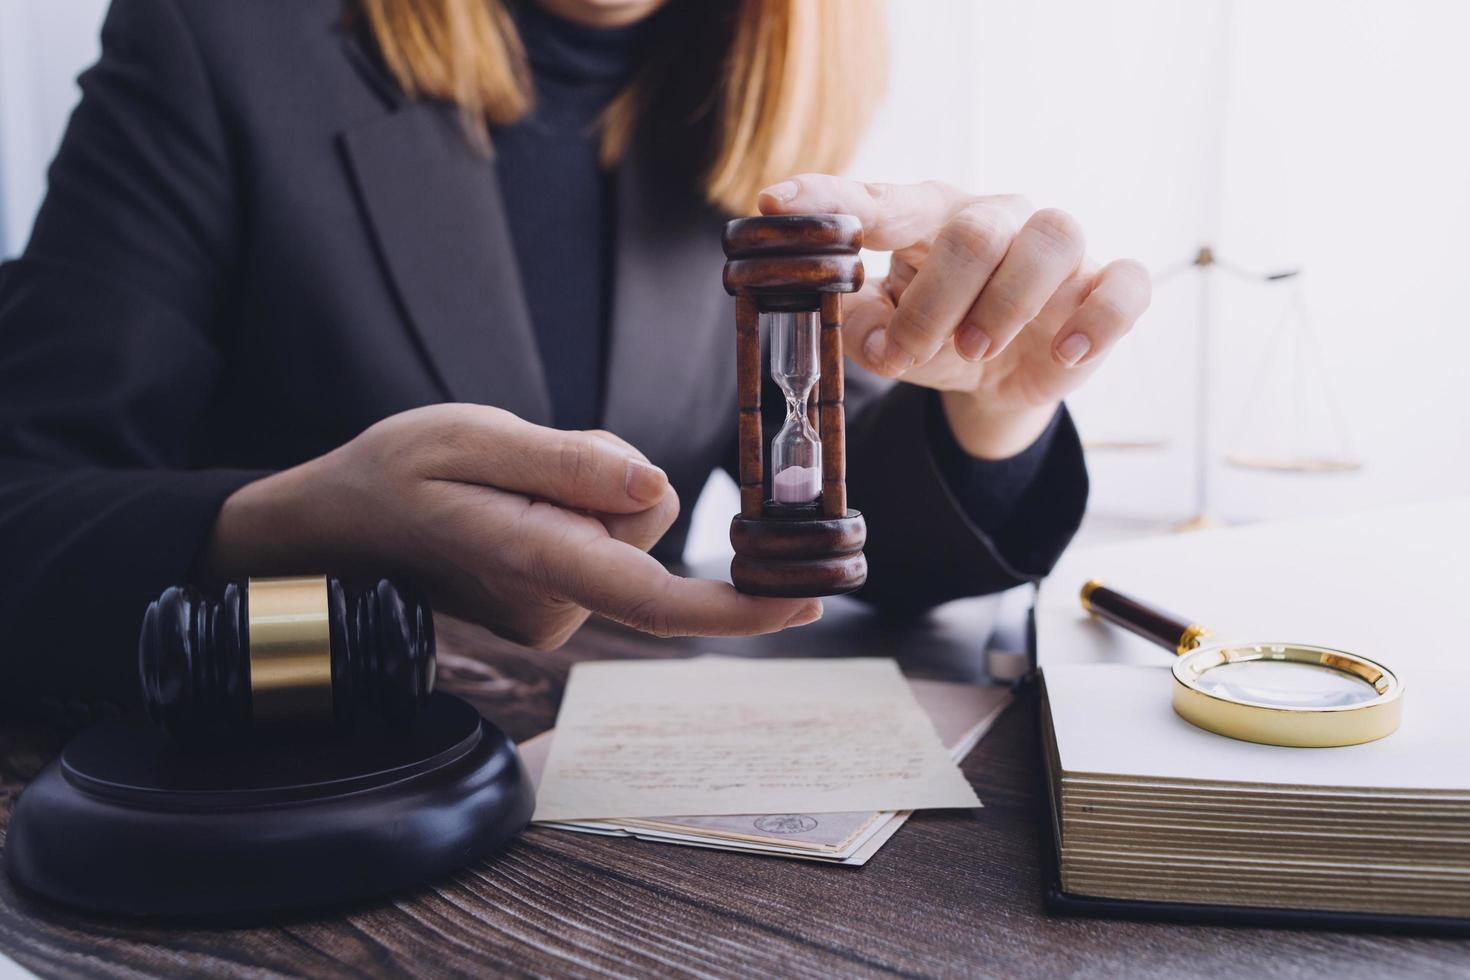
[796,451]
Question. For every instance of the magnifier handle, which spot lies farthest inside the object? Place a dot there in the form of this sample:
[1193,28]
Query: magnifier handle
[1167,630]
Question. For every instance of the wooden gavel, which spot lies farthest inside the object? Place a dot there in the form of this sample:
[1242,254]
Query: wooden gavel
[309,651]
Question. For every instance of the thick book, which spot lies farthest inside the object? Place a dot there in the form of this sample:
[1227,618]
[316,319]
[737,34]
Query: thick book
[1153,817]
[1058,900]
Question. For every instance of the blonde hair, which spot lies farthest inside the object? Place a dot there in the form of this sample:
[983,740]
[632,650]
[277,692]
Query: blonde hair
[736,94]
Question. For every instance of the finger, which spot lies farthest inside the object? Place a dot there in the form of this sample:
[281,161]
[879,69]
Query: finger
[901,272]
[575,469]
[894,216]
[644,529]
[869,310]
[1119,297]
[1068,297]
[617,440]
[624,584]
[1045,252]
[967,250]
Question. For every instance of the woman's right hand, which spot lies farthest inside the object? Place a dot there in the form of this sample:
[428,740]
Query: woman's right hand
[520,528]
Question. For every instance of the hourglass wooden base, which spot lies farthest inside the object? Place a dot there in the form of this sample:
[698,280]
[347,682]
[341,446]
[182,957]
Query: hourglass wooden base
[784,264]
[801,555]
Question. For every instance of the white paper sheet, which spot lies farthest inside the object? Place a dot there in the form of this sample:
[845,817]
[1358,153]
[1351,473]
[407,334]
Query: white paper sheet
[11,970]
[729,736]
[1387,584]
[1116,719]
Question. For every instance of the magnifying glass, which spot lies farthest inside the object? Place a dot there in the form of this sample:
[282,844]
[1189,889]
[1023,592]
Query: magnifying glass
[1275,693]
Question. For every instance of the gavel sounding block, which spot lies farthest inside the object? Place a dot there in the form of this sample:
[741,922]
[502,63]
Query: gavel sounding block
[129,821]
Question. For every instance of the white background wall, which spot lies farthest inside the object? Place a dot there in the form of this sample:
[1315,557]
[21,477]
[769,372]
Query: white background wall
[1324,134]
[44,44]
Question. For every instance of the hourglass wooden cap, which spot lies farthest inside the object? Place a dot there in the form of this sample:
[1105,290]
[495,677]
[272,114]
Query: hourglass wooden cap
[792,234]
[793,254]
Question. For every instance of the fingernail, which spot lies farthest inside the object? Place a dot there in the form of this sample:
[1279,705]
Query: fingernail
[782,192]
[1073,349]
[885,354]
[810,613]
[971,342]
[645,483]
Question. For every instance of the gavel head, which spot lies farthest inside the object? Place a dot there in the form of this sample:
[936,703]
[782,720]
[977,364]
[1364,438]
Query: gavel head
[283,651]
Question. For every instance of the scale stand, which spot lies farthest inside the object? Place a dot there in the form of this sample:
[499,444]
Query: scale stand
[1205,262]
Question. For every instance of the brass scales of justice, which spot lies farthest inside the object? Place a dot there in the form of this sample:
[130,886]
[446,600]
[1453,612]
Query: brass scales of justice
[1288,396]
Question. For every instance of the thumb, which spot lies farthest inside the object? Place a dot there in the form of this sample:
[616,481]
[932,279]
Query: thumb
[642,529]
[894,216]
[580,470]
[646,528]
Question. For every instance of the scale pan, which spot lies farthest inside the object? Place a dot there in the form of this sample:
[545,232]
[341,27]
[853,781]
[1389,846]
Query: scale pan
[1124,445]
[1295,464]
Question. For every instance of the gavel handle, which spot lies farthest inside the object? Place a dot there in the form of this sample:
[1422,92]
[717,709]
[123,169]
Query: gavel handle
[1167,630]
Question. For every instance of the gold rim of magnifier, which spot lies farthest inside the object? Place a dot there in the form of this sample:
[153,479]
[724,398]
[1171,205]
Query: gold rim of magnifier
[1252,721]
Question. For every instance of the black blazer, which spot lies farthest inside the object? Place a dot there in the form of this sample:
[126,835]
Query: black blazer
[253,247]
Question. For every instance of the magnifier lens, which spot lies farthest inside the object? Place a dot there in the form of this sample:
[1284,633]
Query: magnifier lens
[1285,684]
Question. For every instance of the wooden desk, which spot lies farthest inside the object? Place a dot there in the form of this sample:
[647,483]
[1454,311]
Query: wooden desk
[952,894]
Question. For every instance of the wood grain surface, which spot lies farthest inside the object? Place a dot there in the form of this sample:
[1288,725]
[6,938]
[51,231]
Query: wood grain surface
[953,894]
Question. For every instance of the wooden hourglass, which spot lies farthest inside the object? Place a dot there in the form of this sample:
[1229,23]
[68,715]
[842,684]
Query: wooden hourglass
[794,535]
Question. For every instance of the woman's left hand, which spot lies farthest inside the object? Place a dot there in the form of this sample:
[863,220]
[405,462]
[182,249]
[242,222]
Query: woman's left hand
[993,304]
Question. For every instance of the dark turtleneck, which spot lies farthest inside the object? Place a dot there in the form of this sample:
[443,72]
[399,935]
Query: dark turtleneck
[560,202]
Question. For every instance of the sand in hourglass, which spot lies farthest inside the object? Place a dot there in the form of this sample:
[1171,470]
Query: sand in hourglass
[797,484]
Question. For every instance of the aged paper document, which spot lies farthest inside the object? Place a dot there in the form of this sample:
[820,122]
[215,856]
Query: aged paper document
[717,736]
[961,713]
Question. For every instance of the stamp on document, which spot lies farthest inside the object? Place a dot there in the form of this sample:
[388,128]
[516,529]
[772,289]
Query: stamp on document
[786,823]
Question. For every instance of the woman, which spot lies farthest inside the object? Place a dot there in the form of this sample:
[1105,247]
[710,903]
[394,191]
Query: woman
[281,235]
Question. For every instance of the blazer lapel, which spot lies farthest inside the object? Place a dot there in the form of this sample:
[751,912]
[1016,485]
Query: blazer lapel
[666,294]
[434,206]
